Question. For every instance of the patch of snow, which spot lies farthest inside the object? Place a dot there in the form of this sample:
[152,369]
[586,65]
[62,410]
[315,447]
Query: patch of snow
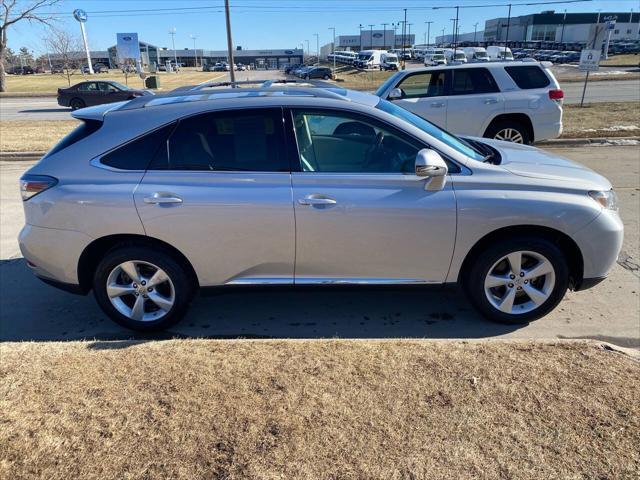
[613,128]
[612,72]
[613,141]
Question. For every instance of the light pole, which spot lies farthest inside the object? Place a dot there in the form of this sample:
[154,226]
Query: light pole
[172,32]
[506,39]
[371,35]
[81,17]
[564,19]
[384,34]
[409,32]
[475,30]
[360,37]
[428,42]
[395,28]
[404,41]
[227,15]
[195,52]
[443,35]
[333,47]
[308,49]
[455,31]
[317,48]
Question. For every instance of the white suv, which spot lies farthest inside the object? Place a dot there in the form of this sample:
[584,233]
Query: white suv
[516,101]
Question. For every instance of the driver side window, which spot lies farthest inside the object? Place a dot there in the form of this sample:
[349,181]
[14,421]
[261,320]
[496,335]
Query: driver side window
[332,142]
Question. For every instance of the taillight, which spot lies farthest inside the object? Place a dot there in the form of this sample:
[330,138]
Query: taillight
[31,185]
[556,94]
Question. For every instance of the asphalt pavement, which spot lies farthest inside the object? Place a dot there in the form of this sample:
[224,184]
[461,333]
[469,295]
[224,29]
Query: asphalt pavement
[47,108]
[31,310]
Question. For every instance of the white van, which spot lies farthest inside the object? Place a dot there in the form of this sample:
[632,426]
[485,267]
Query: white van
[434,56]
[456,55]
[389,61]
[495,52]
[476,54]
[369,58]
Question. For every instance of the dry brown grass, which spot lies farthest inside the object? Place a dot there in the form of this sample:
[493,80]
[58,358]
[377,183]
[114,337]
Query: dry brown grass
[46,82]
[629,59]
[317,409]
[32,135]
[601,120]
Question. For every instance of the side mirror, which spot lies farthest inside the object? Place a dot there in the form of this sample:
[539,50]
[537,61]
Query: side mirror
[429,164]
[395,94]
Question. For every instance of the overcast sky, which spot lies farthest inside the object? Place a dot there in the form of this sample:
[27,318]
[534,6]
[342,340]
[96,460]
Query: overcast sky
[261,24]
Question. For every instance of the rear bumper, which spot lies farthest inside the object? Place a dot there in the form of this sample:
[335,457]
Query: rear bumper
[587,283]
[67,287]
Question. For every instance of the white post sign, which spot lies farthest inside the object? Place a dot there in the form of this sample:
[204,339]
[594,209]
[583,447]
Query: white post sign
[589,60]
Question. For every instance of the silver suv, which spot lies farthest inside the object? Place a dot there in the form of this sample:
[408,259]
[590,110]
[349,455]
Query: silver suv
[152,199]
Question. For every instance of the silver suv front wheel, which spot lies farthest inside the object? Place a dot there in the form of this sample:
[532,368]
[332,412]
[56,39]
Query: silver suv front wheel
[517,280]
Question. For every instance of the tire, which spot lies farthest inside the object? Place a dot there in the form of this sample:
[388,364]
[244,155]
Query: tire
[76,104]
[173,296]
[306,77]
[546,290]
[510,131]
[326,77]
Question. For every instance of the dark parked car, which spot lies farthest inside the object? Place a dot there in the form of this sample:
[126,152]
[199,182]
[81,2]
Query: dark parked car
[86,94]
[318,72]
[26,70]
[290,68]
[100,68]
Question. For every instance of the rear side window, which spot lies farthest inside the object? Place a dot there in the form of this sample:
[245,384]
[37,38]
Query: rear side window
[138,153]
[426,84]
[527,77]
[86,128]
[472,80]
[242,140]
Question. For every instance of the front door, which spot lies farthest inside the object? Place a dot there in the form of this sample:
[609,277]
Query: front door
[425,95]
[222,197]
[362,216]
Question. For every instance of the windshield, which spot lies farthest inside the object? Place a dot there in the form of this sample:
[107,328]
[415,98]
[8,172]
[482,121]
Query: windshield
[460,56]
[391,58]
[450,140]
[506,54]
[364,57]
[119,85]
[481,54]
[438,57]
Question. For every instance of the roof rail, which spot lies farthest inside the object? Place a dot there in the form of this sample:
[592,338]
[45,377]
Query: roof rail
[312,91]
[263,83]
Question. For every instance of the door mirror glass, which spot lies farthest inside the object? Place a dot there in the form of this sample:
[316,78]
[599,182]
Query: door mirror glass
[429,164]
[395,94]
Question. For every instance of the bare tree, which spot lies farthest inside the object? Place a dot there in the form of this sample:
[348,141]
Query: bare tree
[13,12]
[66,50]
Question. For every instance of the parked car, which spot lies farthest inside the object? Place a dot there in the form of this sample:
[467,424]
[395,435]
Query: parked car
[22,70]
[87,94]
[149,201]
[515,101]
[290,68]
[57,69]
[389,61]
[100,68]
[241,67]
[317,72]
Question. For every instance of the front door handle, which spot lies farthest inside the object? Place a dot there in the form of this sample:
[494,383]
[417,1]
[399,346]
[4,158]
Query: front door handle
[489,101]
[162,198]
[317,200]
[437,104]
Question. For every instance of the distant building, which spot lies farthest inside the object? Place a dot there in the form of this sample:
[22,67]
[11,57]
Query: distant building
[560,27]
[385,39]
[462,37]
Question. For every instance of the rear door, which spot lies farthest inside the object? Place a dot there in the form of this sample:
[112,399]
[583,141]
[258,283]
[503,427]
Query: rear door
[474,99]
[424,94]
[90,94]
[221,194]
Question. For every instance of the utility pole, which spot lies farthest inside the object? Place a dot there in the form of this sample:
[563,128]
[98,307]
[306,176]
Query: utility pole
[428,42]
[409,33]
[360,37]
[475,30]
[404,41]
[443,35]
[455,32]
[308,49]
[333,47]
[371,35]
[384,34]
[227,14]
[506,39]
[317,48]
[172,32]
[195,52]
[564,19]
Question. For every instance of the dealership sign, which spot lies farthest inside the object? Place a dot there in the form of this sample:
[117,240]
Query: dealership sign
[127,47]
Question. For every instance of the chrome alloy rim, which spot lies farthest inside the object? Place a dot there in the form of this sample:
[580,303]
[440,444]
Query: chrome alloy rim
[519,282]
[509,135]
[140,291]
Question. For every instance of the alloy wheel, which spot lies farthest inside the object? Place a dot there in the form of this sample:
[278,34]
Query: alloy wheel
[519,282]
[509,135]
[140,291]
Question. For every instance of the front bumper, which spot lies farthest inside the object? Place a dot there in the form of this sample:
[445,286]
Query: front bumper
[600,243]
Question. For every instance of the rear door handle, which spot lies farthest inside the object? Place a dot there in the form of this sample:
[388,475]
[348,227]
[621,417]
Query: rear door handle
[162,198]
[489,101]
[317,200]
[437,104]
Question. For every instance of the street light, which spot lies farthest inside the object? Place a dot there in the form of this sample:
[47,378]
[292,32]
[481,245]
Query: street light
[428,42]
[371,35]
[195,52]
[384,34]
[475,30]
[333,47]
[317,48]
[360,37]
[172,32]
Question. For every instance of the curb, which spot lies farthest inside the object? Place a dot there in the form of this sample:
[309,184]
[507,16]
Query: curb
[20,156]
[27,95]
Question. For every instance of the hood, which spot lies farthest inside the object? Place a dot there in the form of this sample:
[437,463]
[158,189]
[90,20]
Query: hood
[532,162]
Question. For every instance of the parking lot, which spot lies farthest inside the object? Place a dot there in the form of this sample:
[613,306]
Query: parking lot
[32,310]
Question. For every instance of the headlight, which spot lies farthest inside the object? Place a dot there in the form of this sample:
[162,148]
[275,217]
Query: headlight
[608,199]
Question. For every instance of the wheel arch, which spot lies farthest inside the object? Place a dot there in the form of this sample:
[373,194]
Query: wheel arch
[514,117]
[567,245]
[96,250]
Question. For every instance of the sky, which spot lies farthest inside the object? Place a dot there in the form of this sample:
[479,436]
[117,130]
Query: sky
[264,24]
